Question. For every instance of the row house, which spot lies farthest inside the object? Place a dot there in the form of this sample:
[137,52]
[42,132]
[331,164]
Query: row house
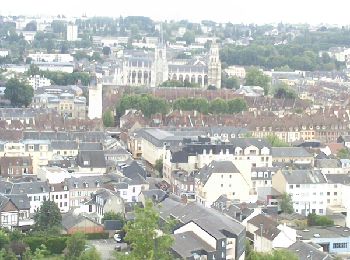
[244,152]
[292,155]
[261,177]
[59,193]
[15,167]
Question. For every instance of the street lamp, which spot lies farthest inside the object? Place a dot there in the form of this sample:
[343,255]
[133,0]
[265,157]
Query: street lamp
[261,231]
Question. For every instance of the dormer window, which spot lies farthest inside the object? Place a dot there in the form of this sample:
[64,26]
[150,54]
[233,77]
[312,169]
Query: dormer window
[86,162]
[97,184]
[75,185]
[65,187]
[86,185]
[52,188]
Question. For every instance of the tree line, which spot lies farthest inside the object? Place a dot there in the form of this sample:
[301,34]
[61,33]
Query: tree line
[150,105]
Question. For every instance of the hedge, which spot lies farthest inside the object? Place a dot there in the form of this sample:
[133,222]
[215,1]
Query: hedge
[55,245]
[92,236]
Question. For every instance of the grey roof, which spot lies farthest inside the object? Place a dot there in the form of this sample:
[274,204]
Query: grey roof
[338,178]
[94,159]
[90,146]
[185,244]
[156,195]
[179,157]
[80,183]
[305,250]
[216,167]
[117,151]
[69,220]
[3,201]
[113,225]
[324,232]
[304,176]
[327,163]
[121,186]
[208,219]
[35,187]
[64,145]
[21,201]
[89,136]
[135,173]
[289,152]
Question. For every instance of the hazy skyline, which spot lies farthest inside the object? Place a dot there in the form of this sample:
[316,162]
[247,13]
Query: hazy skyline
[246,11]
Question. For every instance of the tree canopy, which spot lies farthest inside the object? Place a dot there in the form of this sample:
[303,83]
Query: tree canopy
[282,91]
[18,92]
[316,220]
[179,84]
[144,235]
[255,77]
[286,203]
[75,246]
[48,216]
[274,141]
[108,118]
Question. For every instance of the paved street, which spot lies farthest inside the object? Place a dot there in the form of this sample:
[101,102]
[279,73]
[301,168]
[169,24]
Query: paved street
[106,247]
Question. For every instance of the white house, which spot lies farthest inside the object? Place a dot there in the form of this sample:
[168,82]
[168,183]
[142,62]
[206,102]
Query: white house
[221,178]
[59,193]
[267,234]
[308,189]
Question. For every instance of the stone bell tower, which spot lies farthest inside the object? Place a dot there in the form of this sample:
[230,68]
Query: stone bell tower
[214,66]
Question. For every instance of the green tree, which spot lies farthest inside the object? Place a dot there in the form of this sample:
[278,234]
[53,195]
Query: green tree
[283,91]
[315,220]
[75,246]
[343,153]
[41,253]
[91,254]
[110,215]
[144,236]
[255,77]
[286,203]
[237,105]
[218,106]
[189,37]
[108,118]
[48,216]
[19,93]
[229,82]
[274,141]
[158,166]
[4,239]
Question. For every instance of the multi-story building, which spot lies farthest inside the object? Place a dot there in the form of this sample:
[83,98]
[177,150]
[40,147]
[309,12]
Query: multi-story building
[38,81]
[308,189]
[59,193]
[72,32]
[221,178]
[15,167]
[80,189]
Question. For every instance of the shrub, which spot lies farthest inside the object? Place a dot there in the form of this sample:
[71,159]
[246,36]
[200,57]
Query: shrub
[55,245]
[93,236]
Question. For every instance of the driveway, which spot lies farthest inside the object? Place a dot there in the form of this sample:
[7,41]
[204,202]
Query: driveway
[106,247]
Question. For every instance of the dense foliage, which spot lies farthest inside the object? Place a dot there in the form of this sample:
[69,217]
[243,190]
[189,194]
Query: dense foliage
[47,216]
[286,203]
[144,236]
[255,77]
[179,84]
[18,92]
[316,220]
[150,105]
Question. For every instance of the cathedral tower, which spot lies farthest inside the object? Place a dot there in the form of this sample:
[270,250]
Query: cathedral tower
[214,66]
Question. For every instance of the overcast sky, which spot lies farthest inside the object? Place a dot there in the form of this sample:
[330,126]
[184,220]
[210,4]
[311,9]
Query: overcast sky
[235,11]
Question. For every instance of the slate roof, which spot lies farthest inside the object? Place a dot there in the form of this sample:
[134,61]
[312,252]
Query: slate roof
[290,152]
[208,219]
[136,173]
[35,187]
[185,244]
[216,167]
[156,195]
[64,145]
[304,176]
[266,226]
[338,178]
[69,220]
[303,251]
[21,201]
[113,225]
[95,159]
[327,163]
[179,157]
[92,181]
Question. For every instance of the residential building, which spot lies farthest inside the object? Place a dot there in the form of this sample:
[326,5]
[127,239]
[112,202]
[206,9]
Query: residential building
[51,57]
[59,193]
[308,251]
[9,213]
[221,178]
[79,223]
[80,189]
[72,32]
[267,234]
[91,162]
[204,232]
[308,189]
[37,81]
[23,205]
[37,192]
[292,155]
[15,167]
